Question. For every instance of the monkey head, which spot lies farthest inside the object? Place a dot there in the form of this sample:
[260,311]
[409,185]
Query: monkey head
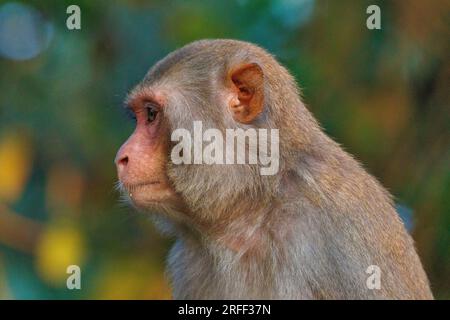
[224,84]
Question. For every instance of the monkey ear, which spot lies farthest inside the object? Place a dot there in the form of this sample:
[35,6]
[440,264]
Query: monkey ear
[247,82]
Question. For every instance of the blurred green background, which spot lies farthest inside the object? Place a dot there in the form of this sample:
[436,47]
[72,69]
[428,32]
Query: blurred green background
[383,94]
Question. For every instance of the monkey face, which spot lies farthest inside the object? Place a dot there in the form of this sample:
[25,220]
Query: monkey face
[141,161]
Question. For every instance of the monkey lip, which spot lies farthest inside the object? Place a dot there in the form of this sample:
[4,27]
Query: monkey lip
[132,187]
[145,193]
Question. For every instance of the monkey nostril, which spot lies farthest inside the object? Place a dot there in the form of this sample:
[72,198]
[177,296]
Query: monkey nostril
[123,161]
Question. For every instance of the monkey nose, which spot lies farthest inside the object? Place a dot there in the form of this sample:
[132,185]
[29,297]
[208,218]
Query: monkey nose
[121,163]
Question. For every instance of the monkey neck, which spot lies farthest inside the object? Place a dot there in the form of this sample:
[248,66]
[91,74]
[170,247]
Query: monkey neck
[243,234]
[243,229]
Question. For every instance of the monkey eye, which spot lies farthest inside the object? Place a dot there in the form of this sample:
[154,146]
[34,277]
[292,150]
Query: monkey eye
[152,112]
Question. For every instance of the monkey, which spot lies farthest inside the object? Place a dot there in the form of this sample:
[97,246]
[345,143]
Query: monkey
[310,231]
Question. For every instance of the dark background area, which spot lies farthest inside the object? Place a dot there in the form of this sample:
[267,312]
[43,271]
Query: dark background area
[383,94]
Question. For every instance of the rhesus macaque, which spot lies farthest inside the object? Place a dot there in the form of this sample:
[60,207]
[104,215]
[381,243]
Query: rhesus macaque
[310,231]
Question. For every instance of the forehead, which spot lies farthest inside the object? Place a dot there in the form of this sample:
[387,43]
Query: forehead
[145,93]
[184,76]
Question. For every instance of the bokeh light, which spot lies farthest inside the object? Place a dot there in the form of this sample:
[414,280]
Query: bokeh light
[24,32]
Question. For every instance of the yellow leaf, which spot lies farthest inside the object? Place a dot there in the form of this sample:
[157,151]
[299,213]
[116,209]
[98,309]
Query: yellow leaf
[15,161]
[60,246]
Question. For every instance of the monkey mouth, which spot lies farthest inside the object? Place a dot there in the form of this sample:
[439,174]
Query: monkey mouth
[147,193]
[134,187]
